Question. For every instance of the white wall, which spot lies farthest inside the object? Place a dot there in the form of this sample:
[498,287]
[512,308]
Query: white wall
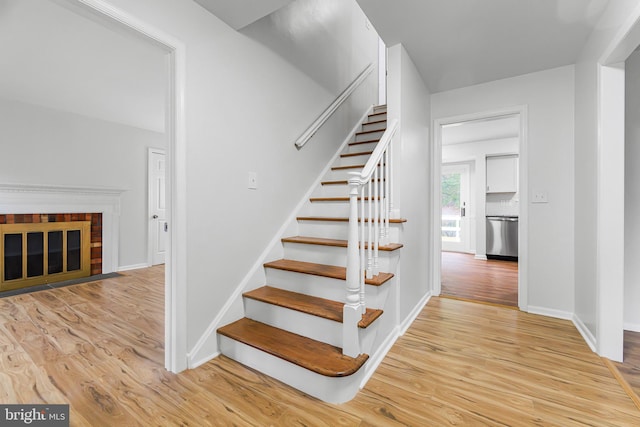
[632,195]
[586,161]
[408,98]
[49,147]
[245,105]
[483,203]
[549,98]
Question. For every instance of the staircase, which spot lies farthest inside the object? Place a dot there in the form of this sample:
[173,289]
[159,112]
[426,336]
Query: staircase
[293,329]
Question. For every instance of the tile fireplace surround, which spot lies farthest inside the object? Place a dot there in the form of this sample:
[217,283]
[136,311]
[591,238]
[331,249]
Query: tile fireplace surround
[24,204]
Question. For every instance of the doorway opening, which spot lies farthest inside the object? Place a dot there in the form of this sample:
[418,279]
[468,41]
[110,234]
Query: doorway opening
[481,250]
[173,64]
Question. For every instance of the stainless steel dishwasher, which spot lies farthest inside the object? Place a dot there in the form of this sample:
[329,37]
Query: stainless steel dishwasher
[502,236]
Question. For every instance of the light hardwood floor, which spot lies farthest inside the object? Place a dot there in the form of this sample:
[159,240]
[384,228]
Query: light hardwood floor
[493,281]
[98,347]
[630,369]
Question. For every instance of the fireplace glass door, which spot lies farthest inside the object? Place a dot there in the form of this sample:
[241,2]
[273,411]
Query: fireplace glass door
[40,253]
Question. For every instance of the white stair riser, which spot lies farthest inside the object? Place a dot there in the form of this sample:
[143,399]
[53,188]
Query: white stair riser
[314,327]
[337,190]
[332,208]
[339,175]
[368,136]
[357,148]
[376,117]
[324,287]
[379,108]
[375,125]
[307,325]
[341,190]
[328,209]
[328,389]
[338,230]
[352,160]
[331,255]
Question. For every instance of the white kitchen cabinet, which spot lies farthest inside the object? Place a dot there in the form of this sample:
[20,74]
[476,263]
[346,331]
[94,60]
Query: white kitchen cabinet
[502,174]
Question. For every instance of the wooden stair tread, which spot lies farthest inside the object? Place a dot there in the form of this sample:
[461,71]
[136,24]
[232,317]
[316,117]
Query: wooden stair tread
[337,168]
[374,121]
[316,356]
[377,114]
[360,153]
[320,241]
[331,271]
[342,182]
[308,304]
[364,132]
[343,219]
[369,141]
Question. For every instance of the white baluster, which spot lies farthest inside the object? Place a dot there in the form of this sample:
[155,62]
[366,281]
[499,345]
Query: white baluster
[387,206]
[390,163]
[363,259]
[370,235]
[376,215]
[351,310]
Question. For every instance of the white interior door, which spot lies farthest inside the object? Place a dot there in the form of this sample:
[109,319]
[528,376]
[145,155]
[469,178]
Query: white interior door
[455,207]
[157,207]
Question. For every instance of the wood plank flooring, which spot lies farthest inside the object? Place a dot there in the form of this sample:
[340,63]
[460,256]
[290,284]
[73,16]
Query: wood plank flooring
[98,346]
[492,281]
[630,369]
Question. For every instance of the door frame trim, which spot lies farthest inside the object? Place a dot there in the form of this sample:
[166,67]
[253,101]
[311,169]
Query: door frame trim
[523,174]
[610,183]
[176,262]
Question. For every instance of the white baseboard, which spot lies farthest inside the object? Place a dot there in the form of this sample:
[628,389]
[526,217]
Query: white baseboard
[585,332]
[633,327]
[550,312]
[133,267]
[404,325]
[565,315]
[481,257]
[195,363]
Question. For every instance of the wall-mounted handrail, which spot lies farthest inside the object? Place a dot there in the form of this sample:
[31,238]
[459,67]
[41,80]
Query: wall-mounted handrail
[366,233]
[313,128]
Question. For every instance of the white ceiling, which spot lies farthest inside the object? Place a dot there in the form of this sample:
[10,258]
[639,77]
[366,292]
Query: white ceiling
[481,130]
[240,13]
[55,58]
[457,43]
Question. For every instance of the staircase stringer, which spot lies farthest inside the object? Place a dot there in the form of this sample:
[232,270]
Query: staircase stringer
[206,348]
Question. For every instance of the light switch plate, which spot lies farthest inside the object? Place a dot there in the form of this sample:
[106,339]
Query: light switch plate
[252,181]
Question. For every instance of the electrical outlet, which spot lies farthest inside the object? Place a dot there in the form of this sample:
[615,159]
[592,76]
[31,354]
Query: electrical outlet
[540,197]
[252,181]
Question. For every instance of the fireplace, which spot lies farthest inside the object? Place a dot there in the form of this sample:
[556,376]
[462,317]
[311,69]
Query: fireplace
[34,205]
[38,249]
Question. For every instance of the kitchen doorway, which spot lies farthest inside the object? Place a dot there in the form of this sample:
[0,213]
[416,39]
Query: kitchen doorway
[478,252]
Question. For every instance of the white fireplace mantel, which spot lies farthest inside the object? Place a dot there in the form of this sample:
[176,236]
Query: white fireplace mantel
[43,199]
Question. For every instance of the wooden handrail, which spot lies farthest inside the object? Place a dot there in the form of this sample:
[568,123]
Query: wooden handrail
[328,112]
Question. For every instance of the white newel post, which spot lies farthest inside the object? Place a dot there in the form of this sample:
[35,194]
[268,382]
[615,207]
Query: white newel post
[352,313]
